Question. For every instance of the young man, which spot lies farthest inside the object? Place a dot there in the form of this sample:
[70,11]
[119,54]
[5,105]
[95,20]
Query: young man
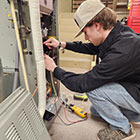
[113,86]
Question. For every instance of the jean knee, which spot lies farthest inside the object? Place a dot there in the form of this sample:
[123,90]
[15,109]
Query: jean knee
[93,111]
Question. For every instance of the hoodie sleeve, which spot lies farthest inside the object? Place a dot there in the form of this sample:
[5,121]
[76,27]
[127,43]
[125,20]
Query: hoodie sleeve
[86,48]
[111,69]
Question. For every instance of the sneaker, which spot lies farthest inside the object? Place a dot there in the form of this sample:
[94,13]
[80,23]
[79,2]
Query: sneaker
[109,134]
[136,124]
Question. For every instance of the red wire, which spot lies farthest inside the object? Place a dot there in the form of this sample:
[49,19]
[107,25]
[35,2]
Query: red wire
[63,105]
[67,117]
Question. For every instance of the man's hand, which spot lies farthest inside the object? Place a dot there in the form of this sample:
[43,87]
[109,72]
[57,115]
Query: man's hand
[49,63]
[51,43]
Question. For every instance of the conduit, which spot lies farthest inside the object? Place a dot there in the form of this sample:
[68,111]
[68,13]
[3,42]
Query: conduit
[38,50]
[16,74]
[19,44]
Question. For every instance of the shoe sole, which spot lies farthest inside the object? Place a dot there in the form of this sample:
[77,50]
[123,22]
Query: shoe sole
[128,138]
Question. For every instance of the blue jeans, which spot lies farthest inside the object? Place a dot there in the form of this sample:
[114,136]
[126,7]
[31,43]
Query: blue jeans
[115,105]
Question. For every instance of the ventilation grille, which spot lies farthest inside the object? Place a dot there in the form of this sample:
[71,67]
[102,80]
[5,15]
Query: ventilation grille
[26,126]
[35,116]
[12,133]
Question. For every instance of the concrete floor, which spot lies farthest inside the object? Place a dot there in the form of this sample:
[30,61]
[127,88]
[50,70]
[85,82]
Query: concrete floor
[86,130]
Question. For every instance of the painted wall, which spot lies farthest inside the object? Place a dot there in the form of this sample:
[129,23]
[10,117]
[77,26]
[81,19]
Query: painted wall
[64,6]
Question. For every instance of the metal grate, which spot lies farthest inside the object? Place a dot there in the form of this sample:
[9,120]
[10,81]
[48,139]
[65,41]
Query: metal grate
[27,126]
[20,119]
[12,133]
[35,116]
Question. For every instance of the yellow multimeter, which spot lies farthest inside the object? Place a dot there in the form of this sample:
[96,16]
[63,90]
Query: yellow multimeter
[78,111]
[80,96]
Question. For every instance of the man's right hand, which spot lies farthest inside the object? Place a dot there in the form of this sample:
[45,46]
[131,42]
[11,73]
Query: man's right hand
[51,43]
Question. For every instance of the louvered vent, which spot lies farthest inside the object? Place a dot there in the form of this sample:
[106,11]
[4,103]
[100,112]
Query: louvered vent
[12,133]
[35,116]
[27,126]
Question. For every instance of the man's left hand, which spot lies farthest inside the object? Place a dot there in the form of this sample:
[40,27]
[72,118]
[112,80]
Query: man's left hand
[49,63]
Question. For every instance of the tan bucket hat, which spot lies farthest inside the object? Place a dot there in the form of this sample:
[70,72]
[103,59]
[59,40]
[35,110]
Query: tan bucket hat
[85,12]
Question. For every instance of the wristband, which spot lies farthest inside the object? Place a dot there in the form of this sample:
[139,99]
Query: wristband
[59,45]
